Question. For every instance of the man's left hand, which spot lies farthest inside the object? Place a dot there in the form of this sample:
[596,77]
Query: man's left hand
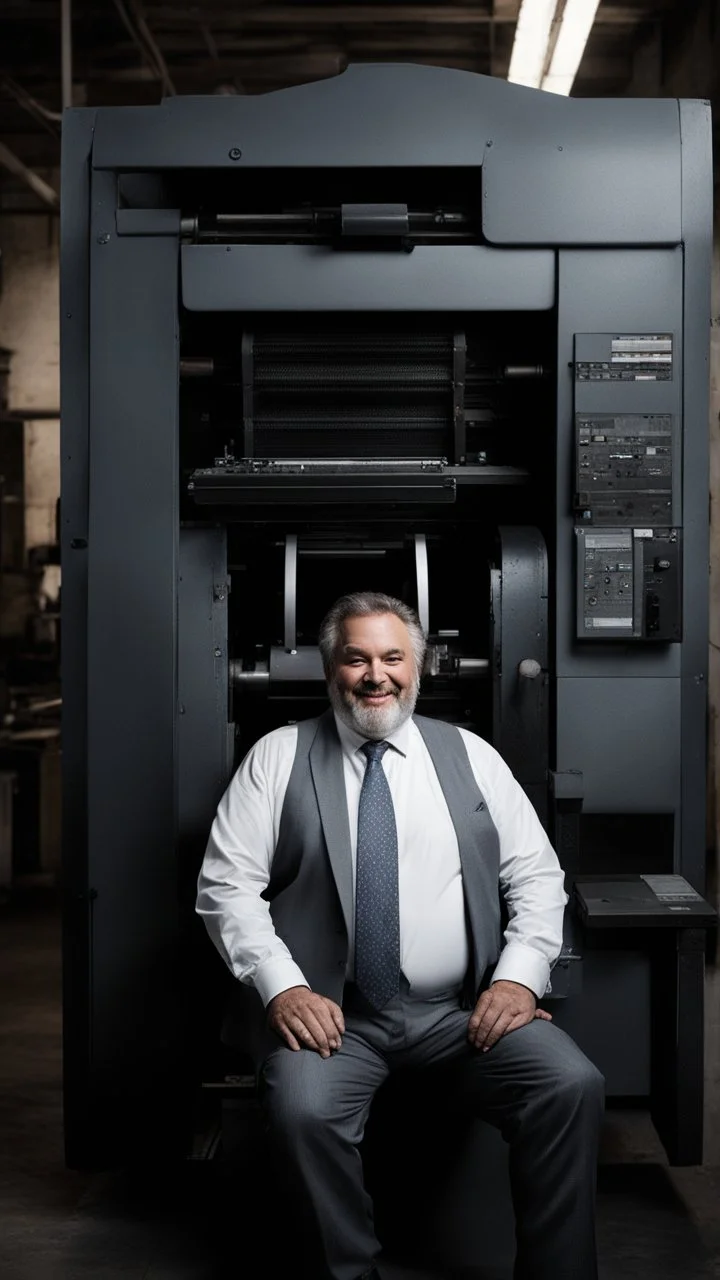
[504,1007]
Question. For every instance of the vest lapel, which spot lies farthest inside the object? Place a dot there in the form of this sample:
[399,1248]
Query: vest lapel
[326,766]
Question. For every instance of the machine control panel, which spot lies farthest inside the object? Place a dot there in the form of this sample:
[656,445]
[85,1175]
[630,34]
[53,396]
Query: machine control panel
[629,584]
[624,468]
[627,496]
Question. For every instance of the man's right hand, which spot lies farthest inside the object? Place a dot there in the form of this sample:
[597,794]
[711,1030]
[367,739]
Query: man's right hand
[306,1020]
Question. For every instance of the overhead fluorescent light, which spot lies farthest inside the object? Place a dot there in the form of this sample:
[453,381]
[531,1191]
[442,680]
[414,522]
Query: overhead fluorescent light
[532,34]
[576,25]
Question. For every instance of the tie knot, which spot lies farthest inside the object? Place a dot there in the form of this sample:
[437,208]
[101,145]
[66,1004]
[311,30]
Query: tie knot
[374,750]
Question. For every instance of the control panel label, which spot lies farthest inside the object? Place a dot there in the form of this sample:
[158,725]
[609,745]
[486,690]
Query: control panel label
[633,357]
[672,888]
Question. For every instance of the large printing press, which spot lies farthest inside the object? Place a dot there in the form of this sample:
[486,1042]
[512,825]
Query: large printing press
[409,330]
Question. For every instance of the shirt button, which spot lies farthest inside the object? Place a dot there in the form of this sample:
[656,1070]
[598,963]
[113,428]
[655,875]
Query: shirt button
[341,964]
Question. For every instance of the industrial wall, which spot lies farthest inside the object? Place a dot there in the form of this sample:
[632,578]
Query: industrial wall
[29,282]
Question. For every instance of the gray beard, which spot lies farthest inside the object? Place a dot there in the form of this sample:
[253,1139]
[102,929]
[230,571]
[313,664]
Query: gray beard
[371,723]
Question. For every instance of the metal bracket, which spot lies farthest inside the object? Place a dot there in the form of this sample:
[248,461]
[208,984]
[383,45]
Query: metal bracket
[566,800]
[566,975]
[567,789]
[147,222]
[519,649]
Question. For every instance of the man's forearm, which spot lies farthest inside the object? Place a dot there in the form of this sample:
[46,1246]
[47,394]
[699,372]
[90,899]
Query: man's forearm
[240,927]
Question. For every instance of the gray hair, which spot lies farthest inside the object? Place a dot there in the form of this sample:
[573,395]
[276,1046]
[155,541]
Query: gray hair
[368,604]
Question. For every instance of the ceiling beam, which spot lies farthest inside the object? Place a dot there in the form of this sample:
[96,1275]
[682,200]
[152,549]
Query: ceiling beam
[201,76]
[293,17]
[181,45]
[49,120]
[37,150]
[14,164]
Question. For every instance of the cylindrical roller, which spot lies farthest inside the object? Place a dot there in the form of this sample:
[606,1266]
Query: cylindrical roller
[290,595]
[256,679]
[197,367]
[473,668]
[423,586]
[523,371]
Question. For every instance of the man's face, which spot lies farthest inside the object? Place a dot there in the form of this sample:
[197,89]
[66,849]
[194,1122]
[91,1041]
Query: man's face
[374,684]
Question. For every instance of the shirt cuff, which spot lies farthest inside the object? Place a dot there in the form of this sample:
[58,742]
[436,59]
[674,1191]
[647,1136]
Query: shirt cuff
[276,975]
[522,964]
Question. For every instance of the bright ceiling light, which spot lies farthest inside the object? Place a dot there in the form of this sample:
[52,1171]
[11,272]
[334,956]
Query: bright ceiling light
[576,25]
[532,34]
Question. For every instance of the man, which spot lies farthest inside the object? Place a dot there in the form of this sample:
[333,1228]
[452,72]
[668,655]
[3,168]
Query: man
[351,885]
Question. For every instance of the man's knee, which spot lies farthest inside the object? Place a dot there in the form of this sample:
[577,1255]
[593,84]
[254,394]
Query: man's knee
[568,1075]
[580,1078]
[292,1092]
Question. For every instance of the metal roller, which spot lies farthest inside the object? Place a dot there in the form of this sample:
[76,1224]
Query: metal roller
[423,583]
[290,596]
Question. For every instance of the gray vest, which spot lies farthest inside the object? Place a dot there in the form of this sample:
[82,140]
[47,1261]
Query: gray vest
[311,891]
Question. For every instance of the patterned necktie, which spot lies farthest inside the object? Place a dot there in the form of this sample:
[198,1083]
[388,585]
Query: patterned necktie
[377,911]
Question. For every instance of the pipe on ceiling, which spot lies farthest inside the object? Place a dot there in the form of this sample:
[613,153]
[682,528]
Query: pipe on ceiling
[66,52]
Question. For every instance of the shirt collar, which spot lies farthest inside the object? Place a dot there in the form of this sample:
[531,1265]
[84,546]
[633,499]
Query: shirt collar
[351,742]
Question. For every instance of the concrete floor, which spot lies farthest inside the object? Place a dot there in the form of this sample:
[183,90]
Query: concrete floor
[654,1223]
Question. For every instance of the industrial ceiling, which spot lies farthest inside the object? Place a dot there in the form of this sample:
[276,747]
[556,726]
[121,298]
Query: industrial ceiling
[128,52]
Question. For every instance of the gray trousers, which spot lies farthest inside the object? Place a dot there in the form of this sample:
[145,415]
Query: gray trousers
[535,1085]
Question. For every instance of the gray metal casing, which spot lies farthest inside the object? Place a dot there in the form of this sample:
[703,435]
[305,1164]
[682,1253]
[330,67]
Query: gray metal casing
[601,209]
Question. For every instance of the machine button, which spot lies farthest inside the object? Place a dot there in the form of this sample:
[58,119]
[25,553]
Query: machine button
[661,565]
[530,668]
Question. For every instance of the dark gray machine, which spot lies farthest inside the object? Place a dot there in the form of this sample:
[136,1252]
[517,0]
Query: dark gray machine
[413,330]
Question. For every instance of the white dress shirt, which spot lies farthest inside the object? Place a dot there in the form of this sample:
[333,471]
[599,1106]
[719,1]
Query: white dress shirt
[433,933]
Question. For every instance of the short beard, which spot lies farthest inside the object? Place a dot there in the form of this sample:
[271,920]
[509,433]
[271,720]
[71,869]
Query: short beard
[373,724]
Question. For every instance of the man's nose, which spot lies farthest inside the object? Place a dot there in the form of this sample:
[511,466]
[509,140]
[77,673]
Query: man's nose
[377,671]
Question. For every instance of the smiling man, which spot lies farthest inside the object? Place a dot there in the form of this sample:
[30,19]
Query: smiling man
[351,885]
[372,673]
